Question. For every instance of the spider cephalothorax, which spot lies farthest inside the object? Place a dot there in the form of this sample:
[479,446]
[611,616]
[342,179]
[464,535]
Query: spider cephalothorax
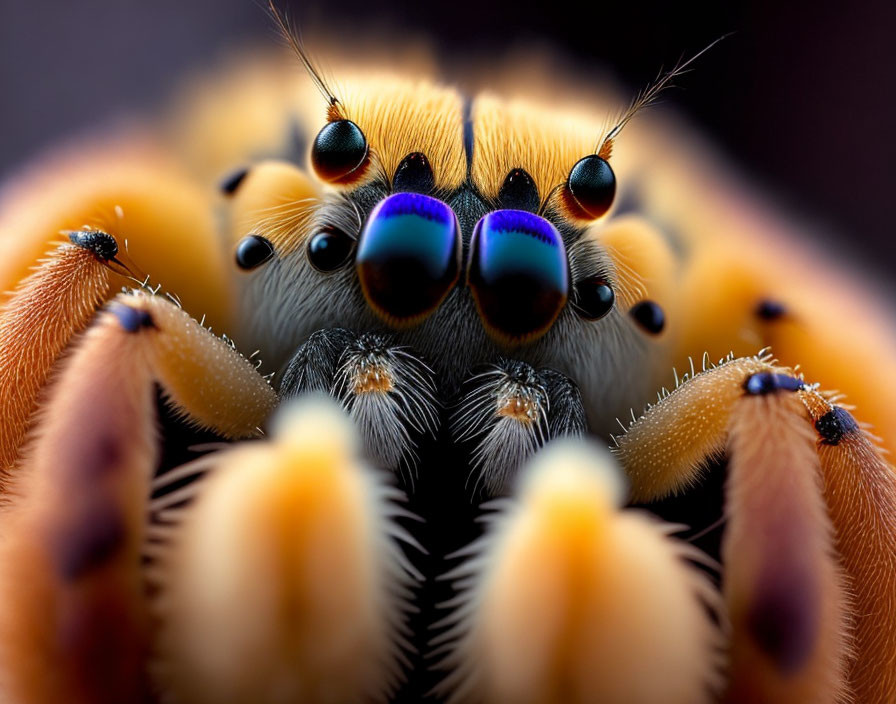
[413,245]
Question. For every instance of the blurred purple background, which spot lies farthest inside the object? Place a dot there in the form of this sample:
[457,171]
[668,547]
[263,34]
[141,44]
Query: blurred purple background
[801,97]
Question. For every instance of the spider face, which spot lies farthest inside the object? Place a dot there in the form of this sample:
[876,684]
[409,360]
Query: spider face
[461,277]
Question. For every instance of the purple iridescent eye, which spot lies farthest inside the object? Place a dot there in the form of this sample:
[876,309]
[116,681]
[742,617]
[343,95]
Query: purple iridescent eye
[408,256]
[518,274]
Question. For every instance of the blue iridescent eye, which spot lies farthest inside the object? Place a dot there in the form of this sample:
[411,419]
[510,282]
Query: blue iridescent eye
[408,256]
[518,274]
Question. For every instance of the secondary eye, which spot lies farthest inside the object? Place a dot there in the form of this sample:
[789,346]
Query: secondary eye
[339,150]
[591,186]
[328,249]
[649,316]
[519,192]
[414,174]
[253,251]
[593,298]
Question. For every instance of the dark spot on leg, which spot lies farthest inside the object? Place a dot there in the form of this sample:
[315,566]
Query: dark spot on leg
[649,316]
[101,455]
[131,319]
[101,244]
[763,383]
[92,536]
[770,310]
[783,618]
[834,424]
[232,181]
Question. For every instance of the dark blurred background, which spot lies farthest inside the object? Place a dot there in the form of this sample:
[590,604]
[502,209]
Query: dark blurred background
[801,97]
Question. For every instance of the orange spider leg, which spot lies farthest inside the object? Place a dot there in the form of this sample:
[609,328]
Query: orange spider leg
[808,314]
[663,452]
[75,627]
[125,209]
[795,498]
[782,582]
[37,323]
[860,491]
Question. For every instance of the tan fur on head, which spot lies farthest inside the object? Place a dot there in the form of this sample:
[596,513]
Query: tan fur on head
[400,116]
[522,134]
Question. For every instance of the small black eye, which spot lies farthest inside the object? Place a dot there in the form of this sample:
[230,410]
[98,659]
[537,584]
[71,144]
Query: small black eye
[594,298]
[253,251]
[770,310]
[232,181]
[414,175]
[649,316]
[339,149]
[329,249]
[592,186]
[519,192]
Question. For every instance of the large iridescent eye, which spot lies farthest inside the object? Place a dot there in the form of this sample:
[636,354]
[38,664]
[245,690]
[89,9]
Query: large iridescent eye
[591,187]
[518,274]
[408,256]
[339,150]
